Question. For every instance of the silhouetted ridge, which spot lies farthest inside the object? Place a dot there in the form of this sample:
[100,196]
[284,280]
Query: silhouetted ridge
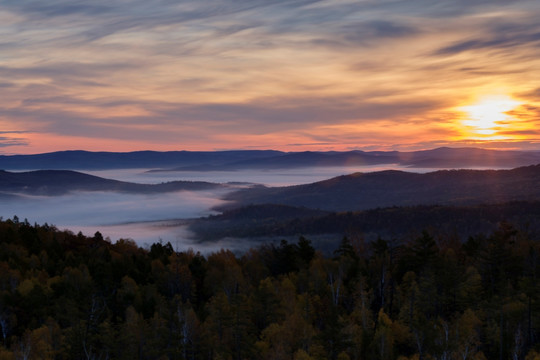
[398,188]
[267,159]
[56,182]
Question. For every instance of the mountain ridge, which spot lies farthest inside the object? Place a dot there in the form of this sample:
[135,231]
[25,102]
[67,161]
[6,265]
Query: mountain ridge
[231,160]
[59,182]
[362,191]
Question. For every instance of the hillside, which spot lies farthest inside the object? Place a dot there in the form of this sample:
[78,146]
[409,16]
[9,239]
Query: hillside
[361,191]
[57,182]
[399,223]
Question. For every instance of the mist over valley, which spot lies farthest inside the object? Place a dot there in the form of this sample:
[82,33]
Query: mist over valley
[219,203]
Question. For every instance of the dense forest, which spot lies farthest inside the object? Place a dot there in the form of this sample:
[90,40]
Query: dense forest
[254,221]
[70,296]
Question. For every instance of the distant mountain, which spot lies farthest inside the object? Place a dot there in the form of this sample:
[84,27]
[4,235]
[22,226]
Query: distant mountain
[445,157]
[57,182]
[362,191]
[301,160]
[267,159]
[436,158]
[85,160]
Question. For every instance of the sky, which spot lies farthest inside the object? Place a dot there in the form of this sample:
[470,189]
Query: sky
[292,75]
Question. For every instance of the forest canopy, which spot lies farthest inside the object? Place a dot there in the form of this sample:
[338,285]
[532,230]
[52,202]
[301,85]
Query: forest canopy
[70,296]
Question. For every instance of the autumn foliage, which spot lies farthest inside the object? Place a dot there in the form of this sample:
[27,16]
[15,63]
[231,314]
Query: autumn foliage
[69,296]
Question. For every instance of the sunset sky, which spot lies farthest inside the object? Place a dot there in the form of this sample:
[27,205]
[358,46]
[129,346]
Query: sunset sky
[294,75]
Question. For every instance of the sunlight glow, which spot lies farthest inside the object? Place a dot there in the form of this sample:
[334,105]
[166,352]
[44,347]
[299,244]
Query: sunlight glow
[489,114]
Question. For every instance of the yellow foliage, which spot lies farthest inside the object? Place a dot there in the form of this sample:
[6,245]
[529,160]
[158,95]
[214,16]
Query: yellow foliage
[532,355]
[26,286]
[384,337]
[262,347]
[6,354]
[414,357]
[517,306]
[401,332]
[129,286]
[479,356]
[302,355]
[53,280]
[317,352]
[287,292]
[42,344]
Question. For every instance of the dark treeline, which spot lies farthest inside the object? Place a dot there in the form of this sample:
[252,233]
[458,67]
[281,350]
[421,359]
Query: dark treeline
[392,222]
[69,296]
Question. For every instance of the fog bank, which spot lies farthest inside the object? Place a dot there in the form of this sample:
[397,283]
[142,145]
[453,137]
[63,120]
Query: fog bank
[155,217]
[116,215]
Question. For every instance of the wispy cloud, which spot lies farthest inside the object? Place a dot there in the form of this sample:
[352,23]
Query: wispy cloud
[6,141]
[499,37]
[173,73]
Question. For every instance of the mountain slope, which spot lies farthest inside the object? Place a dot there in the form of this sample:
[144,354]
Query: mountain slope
[78,160]
[57,182]
[361,191]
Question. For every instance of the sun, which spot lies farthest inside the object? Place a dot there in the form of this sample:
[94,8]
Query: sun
[489,114]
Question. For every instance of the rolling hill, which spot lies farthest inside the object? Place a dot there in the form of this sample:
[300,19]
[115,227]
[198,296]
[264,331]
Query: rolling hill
[58,182]
[361,191]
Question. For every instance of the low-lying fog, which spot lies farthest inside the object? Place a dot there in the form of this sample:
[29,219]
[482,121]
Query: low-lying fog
[151,218]
[281,177]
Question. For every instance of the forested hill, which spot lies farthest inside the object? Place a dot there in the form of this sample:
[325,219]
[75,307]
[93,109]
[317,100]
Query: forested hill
[398,188]
[67,296]
[400,223]
[56,182]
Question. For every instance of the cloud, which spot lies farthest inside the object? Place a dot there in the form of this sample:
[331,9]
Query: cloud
[200,70]
[12,138]
[170,122]
[298,112]
[498,43]
[505,35]
[528,133]
[51,8]
[104,18]
[13,132]
[485,72]
[378,29]
[66,73]
[6,141]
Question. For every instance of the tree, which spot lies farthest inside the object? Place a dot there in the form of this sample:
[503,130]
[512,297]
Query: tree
[383,340]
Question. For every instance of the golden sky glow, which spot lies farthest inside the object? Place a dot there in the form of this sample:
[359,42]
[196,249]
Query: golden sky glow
[289,75]
[489,115]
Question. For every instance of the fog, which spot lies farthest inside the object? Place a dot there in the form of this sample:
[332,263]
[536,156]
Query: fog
[134,216]
[280,177]
[147,219]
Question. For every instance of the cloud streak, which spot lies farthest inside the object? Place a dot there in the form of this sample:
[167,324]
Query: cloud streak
[194,74]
